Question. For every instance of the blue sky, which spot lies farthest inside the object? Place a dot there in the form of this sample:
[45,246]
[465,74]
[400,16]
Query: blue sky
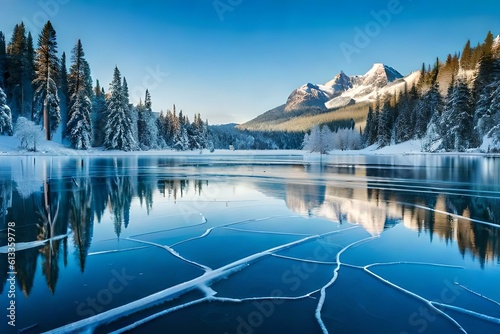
[231,60]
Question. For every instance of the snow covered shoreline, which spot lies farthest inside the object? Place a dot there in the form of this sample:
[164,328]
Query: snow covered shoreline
[9,146]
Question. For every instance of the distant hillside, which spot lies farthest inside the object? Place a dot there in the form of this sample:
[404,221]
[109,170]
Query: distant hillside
[343,99]
[453,105]
[300,121]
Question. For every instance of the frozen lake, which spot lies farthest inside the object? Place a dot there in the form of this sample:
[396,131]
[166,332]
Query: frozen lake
[252,244]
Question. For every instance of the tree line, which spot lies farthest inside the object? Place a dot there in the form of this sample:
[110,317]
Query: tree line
[38,91]
[465,117]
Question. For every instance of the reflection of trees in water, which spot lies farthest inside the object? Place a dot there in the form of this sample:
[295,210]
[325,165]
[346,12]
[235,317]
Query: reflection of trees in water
[120,191]
[438,209]
[44,210]
[53,222]
[173,188]
[54,206]
[23,212]
[81,218]
[146,186]
[449,218]
[5,204]
[446,213]
[5,201]
[198,186]
[100,196]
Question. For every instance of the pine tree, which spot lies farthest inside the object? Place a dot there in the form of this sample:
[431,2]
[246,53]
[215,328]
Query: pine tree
[466,60]
[118,128]
[125,93]
[483,118]
[5,115]
[485,69]
[407,117]
[455,64]
[423,74]
[3,59]
[147,101]
[435,72]
[19,65]
[486,80]
[459,119]
[208,143]
[47,75]
[368,133]
[141,125]
[449,61]
[146,125]
[488,45]
[477,54]
[494,112]
[413,96]
[79,127]
[385,125]
[163,126]
[182,119]
[29,76]
[429,105]
[174,126]
[129,112]
[181,141]
[63,94]
[423,116]
[15,85]
[435,100]
[433,135]
[99,115]
[444,126]
[401,119]
[464,105]
[197,133]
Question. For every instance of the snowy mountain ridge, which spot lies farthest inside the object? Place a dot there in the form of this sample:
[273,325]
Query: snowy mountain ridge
[343,90]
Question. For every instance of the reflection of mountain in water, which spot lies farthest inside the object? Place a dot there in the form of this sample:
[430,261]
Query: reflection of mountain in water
[377,198]
[337,203]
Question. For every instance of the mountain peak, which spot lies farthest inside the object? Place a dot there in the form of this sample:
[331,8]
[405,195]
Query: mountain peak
[342,90]
[340,83]
[307,96]
[380,75]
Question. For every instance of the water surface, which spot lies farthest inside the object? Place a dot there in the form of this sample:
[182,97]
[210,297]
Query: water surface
[253,244]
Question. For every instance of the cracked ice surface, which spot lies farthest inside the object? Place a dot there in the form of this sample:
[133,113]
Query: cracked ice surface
[267,281]
[300,249]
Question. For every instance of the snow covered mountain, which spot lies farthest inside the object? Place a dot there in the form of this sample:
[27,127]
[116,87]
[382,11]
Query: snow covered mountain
[309,96]
[343,90]
[496,42]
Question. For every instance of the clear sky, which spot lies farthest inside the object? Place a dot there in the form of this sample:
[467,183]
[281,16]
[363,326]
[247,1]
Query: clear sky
[231,60]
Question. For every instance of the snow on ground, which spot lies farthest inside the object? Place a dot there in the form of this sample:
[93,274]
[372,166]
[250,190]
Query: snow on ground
[409,147]
[488,144]
[9,146]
